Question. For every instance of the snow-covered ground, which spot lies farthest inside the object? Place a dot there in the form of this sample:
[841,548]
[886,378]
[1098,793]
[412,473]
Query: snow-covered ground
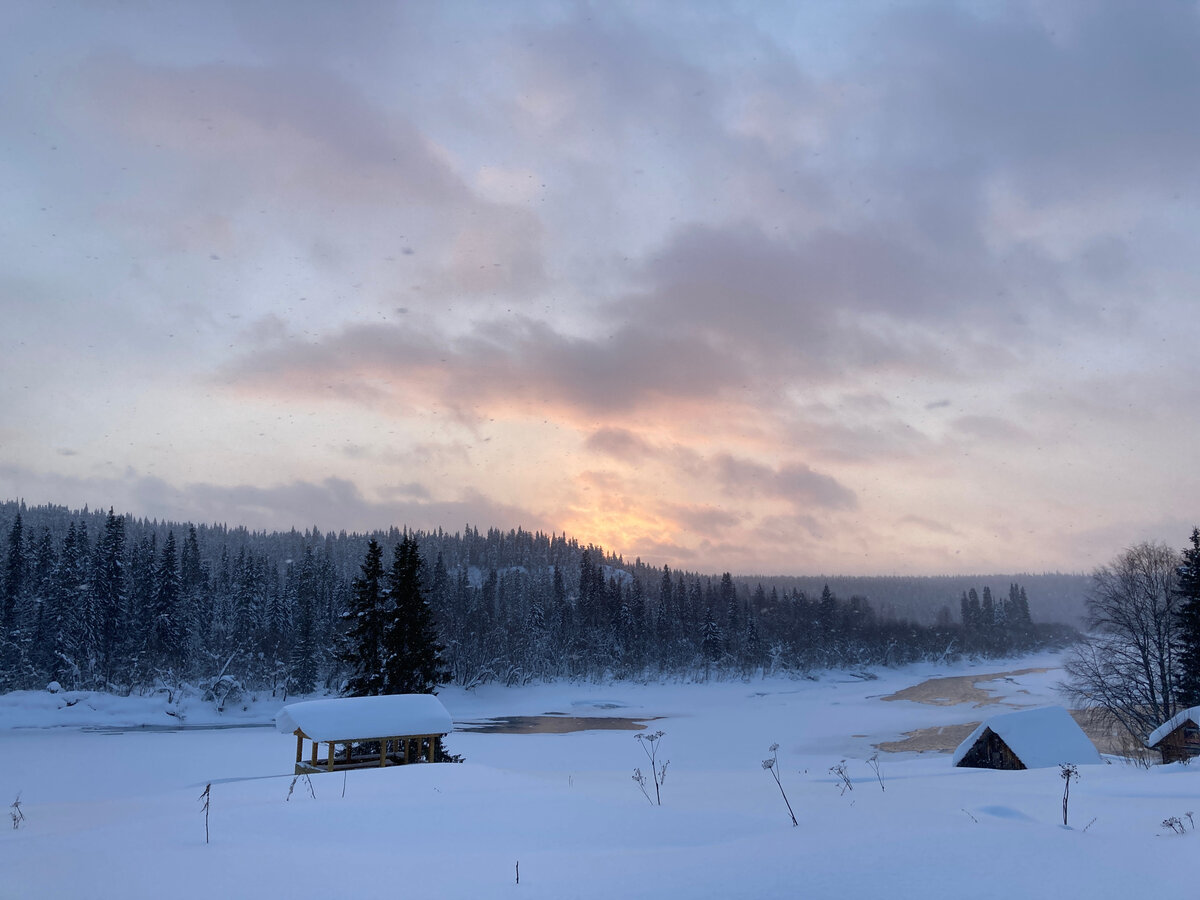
[116,814]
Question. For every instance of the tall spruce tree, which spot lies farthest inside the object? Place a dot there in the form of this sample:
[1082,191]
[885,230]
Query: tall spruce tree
[1023,607]
[165,635]
[411,660]
[366,621]
[77,637]
[304,650]
[711,640]
[194,612]
[14,573]
[110,586]
[987,609]
[1188,592]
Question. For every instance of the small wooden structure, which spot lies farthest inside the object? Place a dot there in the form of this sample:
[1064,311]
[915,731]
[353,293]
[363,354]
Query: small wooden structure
[1027,739]
[1178,738]
[388,730]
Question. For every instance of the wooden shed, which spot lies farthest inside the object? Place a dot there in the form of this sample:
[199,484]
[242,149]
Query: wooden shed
[365,732]
[1179,737]
[1027,739]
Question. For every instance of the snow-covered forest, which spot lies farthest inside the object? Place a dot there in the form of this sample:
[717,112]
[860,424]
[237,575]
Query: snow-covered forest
[98,600]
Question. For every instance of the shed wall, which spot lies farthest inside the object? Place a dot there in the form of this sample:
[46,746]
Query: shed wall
[990,752]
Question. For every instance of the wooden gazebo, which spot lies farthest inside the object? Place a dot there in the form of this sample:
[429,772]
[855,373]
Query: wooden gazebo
[389,730]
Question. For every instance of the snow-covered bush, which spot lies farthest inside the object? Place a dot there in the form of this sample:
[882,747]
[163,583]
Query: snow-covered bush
[225,690]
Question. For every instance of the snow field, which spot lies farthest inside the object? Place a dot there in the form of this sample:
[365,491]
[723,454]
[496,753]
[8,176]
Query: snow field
[117,815]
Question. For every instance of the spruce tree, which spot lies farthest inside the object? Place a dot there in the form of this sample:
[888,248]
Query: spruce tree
[1012,604]
[194,605]
[827,616]
[14,573]
[711,640]
[142,572]
[110,586]
[76,635]
[975,610]
[164,638]
[1188,594]
[1023,607]
[304,658]
[667,612]
[411,657]
[365,621]
[37,612]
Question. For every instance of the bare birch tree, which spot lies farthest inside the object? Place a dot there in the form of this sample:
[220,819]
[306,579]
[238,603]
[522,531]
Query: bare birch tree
[1126,669]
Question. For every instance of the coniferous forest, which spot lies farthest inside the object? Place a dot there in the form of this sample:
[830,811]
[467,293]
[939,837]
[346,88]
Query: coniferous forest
[97,600]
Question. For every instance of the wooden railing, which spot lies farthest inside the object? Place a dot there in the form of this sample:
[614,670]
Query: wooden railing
[392,751]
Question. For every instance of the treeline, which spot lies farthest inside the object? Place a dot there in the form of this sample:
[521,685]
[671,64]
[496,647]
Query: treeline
[96,600]
[1060,596]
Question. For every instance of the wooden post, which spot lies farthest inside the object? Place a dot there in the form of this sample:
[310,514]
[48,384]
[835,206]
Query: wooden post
[299,746]
[314,754]
[330,762]
[435,744]
[382,752]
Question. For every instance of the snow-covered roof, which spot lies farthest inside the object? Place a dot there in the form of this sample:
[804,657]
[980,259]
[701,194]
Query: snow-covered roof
[1171,724]
[1040,737]
[359,718]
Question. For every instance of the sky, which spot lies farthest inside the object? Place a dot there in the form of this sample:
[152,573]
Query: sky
[858,288]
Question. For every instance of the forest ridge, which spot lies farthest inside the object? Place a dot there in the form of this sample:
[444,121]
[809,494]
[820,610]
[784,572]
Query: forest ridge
[101,600]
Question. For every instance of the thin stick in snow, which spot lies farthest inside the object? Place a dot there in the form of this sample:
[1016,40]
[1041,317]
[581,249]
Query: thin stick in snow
[772,766]
[205,797]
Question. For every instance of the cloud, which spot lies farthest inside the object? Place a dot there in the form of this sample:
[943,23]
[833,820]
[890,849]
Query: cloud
[521,363]
[793,482]
[992,429]
[298,127]
[738,476]
[666,550]
[878,299]
[703,519]
[1062,107]
[932,526]
[619,443]
[412,490]
[602,65]
[287,160]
